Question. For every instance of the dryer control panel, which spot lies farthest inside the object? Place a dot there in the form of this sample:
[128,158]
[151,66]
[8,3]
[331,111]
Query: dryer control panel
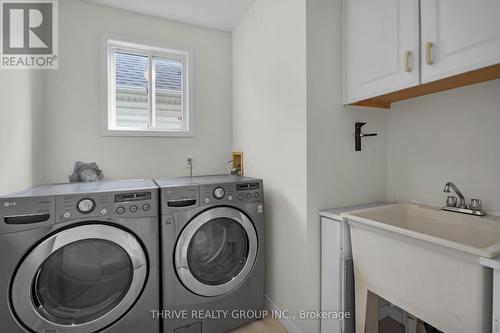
[132,204]
[188,194]
[247,192]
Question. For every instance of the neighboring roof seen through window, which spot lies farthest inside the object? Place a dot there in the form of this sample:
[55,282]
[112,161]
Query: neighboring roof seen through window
[130,73]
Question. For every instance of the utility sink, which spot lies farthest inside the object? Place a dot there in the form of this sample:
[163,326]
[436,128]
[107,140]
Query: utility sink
[425,261]
[467,233]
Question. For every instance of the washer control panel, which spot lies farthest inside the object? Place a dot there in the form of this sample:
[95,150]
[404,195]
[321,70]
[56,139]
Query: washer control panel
[107,204]
[245,192]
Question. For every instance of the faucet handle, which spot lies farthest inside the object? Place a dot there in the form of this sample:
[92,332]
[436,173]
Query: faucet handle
[475,204]
[451,201]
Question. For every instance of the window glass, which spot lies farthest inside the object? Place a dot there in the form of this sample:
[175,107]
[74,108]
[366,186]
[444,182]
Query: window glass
[132,98]
[169,94]
[149,90]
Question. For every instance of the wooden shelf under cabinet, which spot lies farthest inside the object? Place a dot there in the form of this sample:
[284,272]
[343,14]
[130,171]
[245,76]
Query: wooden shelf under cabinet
[460,80]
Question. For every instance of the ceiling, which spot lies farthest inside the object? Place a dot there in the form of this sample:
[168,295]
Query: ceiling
[217,14]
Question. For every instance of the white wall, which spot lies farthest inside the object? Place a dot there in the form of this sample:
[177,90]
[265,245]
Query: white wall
[269,84]
[298,137]
[336,174]
[449,136]
[74,110]
[21,137]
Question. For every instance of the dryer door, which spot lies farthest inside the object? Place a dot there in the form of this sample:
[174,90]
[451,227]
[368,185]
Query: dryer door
[79,280]
[216,251]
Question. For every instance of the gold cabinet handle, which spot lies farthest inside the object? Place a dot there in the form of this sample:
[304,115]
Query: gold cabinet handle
[408,61]
[428,53]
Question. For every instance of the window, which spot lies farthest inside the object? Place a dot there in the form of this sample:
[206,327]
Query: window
[148,90]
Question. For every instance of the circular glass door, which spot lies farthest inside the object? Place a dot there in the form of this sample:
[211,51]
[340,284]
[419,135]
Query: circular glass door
[216,251]
[82,281]
[79,280]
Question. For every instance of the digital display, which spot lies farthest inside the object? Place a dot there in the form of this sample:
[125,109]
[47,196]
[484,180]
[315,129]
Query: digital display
[127,197]
[247,186]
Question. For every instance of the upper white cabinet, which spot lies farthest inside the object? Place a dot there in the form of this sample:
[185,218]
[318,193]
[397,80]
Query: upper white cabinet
[459,36]
[398,49]
[381,47]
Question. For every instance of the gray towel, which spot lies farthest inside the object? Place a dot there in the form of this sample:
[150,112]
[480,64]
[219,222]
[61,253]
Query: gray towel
[86,172]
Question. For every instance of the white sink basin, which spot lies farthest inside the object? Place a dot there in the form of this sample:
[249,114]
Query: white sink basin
[425,261]
[471,234]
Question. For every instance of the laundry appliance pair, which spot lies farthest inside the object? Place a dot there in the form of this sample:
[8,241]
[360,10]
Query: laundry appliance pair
[107,256]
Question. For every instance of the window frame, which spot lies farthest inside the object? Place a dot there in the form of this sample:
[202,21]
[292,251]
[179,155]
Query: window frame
[112,44]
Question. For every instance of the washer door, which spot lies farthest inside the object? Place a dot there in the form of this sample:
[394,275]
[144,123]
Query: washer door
[216,251]
[79,280]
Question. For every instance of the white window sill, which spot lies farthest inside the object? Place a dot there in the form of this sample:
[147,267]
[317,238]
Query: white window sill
[150,133]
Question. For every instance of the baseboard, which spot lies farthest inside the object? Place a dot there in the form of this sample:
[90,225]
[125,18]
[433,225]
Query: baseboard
[286,322]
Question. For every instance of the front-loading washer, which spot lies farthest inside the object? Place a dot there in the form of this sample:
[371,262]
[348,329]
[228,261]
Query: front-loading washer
[212,231]
[80,258]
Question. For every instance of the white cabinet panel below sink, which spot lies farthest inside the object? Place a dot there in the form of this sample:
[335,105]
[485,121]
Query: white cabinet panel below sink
[495,265]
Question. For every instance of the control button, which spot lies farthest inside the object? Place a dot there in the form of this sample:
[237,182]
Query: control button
[207,200]
[85,206]
[104,211]
[146,207]
[249,195]
[256,195]
[120,210]
[230,198]
[133,209]
[219,193]
[67,215]
[240,196]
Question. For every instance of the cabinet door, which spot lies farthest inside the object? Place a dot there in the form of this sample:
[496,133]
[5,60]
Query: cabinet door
[464,35]
[381,47]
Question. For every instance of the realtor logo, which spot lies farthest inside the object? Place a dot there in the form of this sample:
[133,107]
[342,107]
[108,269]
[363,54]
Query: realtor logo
[29,34]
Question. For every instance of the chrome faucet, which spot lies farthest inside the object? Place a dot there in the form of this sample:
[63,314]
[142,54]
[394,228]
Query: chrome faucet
[475,206]
[454,187]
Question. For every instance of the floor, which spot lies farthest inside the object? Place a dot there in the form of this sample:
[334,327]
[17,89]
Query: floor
[389,325]
[267,325]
